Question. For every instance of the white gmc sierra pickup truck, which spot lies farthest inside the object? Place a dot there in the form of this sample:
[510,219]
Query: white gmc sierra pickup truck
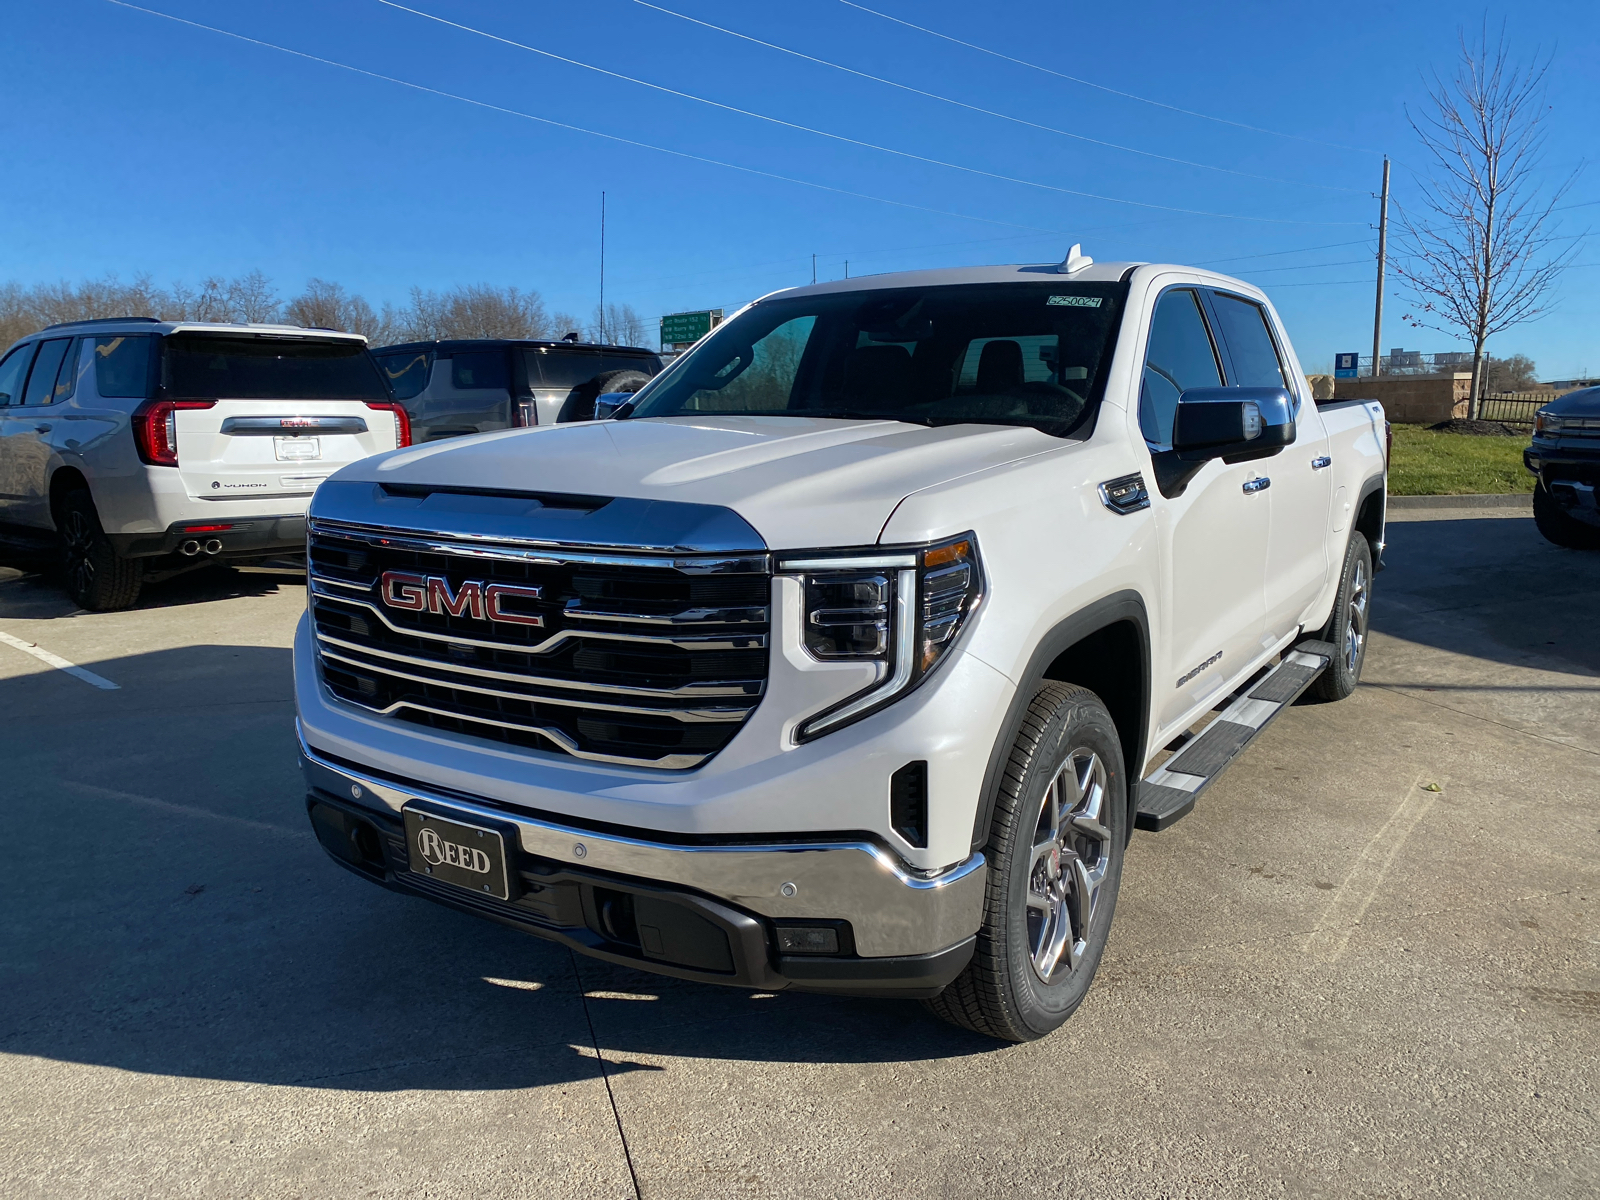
[848,656]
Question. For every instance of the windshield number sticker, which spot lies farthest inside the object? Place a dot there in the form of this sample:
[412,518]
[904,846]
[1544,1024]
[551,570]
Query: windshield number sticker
[1075,301]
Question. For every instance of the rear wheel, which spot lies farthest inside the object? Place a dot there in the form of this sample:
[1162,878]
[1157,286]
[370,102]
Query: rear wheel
[1348,626]
[1055,861]
[1558,526]
[97,577]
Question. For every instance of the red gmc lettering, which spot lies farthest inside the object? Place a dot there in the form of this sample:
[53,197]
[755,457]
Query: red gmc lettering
[496,592]
[403,590]
[441,601]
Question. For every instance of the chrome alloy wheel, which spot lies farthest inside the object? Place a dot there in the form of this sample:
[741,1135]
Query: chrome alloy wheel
[1355,630]
[78,534]
[1070,858]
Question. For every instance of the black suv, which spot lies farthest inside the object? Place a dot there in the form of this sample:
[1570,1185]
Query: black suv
[1565,455]
[450,388]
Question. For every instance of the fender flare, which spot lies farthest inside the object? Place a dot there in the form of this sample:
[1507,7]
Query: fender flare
[1127,605]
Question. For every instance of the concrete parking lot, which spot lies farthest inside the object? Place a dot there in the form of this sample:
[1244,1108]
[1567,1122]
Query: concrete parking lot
[1368,964]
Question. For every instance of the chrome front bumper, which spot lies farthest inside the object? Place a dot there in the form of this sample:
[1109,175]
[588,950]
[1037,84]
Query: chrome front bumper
[893,910]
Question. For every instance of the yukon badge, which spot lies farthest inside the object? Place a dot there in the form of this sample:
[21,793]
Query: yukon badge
[481,601]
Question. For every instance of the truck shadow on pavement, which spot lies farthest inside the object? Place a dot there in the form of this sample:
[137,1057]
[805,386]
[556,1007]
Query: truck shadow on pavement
[1493,589]
[34,595]
[169,913]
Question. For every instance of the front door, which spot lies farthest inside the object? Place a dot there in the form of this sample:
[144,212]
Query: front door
[1214,530]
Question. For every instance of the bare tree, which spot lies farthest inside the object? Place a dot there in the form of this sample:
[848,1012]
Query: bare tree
[326,305]
[1479,251]
[618,325]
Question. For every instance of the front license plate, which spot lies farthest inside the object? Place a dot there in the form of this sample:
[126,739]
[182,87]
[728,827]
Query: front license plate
[297,449]
[466,856]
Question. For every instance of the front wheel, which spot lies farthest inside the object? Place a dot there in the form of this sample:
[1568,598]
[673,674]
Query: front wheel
[97,577]
[1055,861]
[1558,526]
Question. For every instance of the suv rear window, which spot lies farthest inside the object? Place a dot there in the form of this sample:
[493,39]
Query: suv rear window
[572,368]
[269,368]
[407,373]
[122,365]
[479,369]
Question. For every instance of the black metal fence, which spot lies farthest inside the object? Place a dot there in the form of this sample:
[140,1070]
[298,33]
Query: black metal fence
[1513,408]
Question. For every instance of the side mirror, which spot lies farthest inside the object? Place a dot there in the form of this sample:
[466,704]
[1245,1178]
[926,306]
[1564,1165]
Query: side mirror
[607,405]
[1236,424]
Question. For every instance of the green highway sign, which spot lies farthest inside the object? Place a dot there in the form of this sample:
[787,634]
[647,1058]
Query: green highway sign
[680,329]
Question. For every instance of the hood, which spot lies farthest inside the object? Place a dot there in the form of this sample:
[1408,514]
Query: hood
[1585,402]
[799,482]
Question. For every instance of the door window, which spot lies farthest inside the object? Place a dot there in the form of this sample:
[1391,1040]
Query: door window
[67,377]
[122,366]
[1180,356]
[42,380]
[13,370]
[480,369]
[1250,347]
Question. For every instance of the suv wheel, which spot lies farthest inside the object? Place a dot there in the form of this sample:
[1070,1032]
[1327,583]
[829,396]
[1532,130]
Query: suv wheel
[1558,526]
[1347,628]
[1055,861]
[97,577]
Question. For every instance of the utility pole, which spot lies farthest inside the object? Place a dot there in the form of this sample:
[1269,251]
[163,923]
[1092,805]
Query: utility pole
[847,268]
[603,255]
[1383,249]
[813,268]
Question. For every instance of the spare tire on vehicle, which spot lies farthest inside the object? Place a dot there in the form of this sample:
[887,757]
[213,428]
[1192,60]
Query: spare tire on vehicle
[581,406]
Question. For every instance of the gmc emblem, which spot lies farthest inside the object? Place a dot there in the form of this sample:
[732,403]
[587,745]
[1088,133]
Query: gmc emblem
[431,593]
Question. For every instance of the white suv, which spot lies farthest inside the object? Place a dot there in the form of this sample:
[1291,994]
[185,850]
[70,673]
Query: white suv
[136,447]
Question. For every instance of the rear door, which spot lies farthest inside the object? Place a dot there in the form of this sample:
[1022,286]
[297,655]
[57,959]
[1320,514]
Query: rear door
[268,415]
[1300,475]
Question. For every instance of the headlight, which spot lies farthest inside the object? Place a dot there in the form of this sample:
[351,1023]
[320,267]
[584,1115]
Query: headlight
[899,608]
[1544,422]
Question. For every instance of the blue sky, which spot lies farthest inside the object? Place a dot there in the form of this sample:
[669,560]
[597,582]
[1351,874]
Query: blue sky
[136,144]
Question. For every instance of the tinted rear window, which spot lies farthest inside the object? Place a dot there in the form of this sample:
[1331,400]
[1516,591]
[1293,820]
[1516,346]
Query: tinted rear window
[122,365]
[571,368]
[269,369]
[407,373]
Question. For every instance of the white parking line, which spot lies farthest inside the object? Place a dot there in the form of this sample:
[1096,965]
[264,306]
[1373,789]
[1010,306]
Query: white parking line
[59,663]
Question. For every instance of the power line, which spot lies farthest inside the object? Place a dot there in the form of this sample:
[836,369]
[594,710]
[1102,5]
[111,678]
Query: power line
[1277,253]
[988,112]
[839,137]
[1189,112]
[610,137]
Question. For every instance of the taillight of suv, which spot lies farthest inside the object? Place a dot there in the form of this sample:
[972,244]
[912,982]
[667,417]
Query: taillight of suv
[155,429]
[402,422]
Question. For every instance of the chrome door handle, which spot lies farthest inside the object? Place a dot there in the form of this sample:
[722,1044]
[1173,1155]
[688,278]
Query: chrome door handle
[41,429]
[1322,460]
[1259,484]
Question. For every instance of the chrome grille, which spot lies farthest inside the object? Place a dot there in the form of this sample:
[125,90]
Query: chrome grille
[643,660]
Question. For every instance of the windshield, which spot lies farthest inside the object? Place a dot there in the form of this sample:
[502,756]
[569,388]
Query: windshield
[269,368]
[1005,354]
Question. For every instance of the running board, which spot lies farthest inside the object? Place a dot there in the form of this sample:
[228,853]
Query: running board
[1168,793]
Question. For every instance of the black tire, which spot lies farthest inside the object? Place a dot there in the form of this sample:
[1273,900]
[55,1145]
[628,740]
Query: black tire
[1558,526]
[581,406]
[96,576]
[1348,625]
[1066,758]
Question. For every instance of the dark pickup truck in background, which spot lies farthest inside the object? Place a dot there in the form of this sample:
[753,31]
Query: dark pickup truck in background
[1565,455]
[453,388]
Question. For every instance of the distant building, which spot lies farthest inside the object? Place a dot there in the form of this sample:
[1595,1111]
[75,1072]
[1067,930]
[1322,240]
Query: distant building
[1571,384]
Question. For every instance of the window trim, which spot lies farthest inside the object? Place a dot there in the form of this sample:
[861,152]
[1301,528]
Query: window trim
[1207,320]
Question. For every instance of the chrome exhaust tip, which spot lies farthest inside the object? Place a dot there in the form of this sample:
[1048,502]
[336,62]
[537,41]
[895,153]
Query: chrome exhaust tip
[213,545]
[189,549]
